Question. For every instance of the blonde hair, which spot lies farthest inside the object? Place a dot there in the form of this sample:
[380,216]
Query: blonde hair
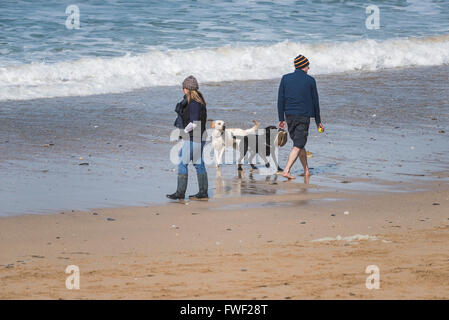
[195,95]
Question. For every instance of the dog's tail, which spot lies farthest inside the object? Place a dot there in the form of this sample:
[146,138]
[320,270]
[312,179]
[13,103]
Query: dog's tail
[256,125]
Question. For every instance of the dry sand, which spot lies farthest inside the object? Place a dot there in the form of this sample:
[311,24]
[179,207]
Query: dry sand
[240,248]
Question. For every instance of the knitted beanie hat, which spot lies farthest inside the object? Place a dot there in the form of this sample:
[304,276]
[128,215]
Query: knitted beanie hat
[300,62]
[190,83]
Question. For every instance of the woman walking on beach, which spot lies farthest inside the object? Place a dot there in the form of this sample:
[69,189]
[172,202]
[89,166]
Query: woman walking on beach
[192,118]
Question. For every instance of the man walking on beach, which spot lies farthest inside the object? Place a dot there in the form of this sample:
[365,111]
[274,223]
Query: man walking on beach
[298,102]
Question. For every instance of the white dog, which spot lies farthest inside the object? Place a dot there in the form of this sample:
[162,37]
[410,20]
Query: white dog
[223,137]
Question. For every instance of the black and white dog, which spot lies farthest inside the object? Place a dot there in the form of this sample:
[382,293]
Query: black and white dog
[264,143]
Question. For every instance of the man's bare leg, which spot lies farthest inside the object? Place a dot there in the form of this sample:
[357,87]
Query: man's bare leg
[291,160]
[306,179]
[303,158]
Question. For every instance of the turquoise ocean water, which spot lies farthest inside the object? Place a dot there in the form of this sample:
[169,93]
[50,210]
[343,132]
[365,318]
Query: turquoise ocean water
[125,45]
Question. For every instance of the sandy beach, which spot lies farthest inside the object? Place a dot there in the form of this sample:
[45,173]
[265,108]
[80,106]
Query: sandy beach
[88,150]
[378,195]
[260,247]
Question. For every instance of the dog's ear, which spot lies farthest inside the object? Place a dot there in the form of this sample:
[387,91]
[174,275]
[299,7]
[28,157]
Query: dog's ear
[212,124]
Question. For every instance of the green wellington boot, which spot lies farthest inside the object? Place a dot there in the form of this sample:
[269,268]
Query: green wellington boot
[203,185]
[181,189]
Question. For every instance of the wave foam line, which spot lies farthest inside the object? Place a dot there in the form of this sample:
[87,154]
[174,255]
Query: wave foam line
[90,76]
[356,237]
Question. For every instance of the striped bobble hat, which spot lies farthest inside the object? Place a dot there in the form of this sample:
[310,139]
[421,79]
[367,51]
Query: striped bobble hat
[301,62]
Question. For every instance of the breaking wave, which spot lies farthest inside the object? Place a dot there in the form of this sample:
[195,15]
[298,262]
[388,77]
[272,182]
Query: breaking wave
[90,76]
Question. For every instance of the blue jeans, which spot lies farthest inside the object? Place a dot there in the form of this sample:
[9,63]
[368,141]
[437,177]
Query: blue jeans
[191,151]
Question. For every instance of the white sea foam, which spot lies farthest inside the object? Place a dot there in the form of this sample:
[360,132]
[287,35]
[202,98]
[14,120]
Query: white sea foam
[160,68]
[355,237]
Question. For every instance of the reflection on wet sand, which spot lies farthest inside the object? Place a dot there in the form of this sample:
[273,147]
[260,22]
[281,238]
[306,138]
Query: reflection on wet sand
[239,184]
[242,185]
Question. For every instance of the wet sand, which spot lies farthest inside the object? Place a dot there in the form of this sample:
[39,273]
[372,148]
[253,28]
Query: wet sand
[258,247]
[390,126]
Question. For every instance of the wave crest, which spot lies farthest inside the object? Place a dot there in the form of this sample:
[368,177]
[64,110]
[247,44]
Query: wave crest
[161,68]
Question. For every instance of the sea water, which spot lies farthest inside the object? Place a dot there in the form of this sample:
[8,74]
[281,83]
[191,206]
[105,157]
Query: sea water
[119,46]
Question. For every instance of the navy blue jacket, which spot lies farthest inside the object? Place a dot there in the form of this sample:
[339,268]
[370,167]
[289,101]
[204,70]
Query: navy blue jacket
[298,95]
[179,110]
[189,112]
[195,111]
